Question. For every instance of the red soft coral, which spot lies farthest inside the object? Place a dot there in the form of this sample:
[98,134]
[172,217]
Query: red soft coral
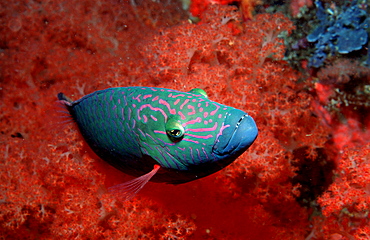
[246,71]
[345,205]
[342,104]
[50,185]
[198,7]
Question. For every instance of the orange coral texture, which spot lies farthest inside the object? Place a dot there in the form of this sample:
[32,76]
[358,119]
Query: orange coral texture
[52,186]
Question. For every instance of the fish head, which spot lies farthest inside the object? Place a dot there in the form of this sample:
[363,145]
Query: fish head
[187,132]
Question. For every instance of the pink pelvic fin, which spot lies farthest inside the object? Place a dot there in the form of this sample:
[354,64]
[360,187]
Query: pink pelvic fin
[128,190]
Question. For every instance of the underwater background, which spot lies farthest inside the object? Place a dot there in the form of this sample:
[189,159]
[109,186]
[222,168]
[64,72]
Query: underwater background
[300,68]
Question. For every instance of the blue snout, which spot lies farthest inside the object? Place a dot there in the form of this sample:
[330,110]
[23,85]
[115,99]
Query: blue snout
[238,136]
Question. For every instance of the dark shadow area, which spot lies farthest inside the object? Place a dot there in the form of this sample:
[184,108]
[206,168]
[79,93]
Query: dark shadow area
[314,174]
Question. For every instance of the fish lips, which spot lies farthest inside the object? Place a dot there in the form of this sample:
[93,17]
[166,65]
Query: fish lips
[236,138]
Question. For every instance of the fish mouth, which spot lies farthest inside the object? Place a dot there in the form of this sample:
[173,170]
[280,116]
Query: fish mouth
[239,133]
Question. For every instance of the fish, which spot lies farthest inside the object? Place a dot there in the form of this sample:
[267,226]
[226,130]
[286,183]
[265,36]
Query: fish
[159,134]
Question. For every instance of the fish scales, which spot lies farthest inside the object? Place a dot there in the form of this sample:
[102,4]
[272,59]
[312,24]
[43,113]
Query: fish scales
[185,133]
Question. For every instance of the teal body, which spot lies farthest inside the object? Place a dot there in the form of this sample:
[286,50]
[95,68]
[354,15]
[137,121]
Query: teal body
[188,135]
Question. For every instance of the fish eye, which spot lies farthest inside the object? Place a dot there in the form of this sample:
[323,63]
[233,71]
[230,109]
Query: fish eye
[175,133]
[174,129]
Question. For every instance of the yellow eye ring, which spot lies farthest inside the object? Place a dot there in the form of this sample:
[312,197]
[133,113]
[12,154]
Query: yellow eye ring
[174,129]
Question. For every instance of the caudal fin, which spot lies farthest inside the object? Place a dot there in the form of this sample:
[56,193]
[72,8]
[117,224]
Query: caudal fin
[64,98]
[58,115]
[64,105]
[126,191]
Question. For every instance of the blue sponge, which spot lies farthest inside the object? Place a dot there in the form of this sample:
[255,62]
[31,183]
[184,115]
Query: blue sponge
[338,32]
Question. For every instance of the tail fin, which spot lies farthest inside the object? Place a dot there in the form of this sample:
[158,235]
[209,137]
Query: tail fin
[58,115]
[64,99]
[65,103]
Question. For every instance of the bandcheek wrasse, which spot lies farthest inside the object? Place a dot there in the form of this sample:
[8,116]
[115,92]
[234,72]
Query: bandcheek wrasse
[159,134]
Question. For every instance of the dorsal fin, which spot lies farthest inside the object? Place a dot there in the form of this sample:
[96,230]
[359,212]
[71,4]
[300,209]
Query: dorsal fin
[199,91]
[128,190]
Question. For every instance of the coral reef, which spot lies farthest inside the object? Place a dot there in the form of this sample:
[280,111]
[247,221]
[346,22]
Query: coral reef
[246,7]
[306,176]
[54,191]
[345,205]
[343,101]
[296,5]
